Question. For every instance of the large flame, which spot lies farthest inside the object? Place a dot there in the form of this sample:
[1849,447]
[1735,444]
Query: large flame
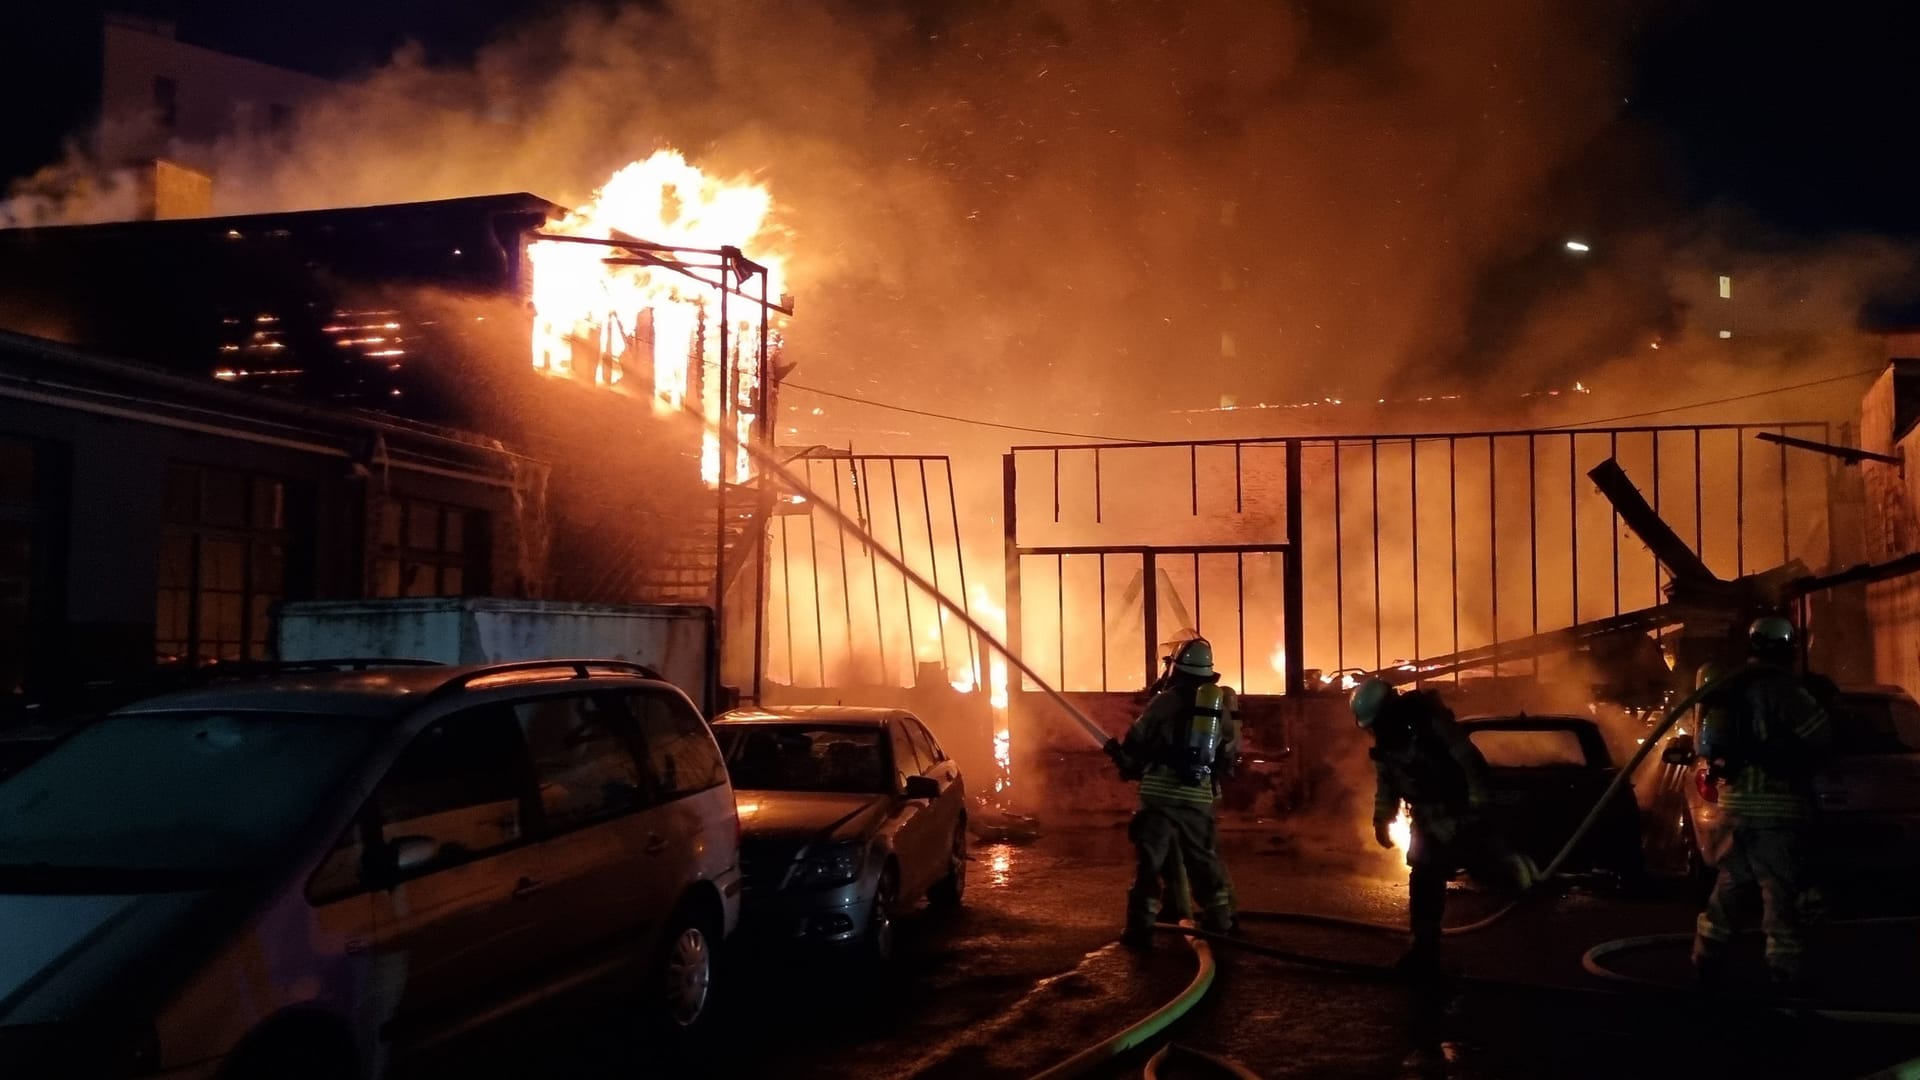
[651,324]
[1401,830]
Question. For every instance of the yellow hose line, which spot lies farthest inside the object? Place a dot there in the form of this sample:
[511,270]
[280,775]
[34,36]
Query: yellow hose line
[1153,1024]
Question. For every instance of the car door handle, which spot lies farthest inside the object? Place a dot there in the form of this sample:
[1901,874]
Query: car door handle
[655,845]
[526,887]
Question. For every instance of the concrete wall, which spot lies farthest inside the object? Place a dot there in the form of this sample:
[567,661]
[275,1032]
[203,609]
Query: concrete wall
[217,95]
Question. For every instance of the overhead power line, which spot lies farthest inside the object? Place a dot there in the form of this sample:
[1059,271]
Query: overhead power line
[956,419]
[1721,401]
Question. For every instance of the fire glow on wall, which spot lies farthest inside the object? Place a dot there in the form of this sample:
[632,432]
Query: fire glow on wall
[630,291]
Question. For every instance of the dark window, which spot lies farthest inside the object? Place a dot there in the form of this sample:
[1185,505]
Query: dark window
[582,757]
[427,548]
[923,747]
[804,757]
[166,101]
[681,756]
[343,872]
[223,564]
[904,763]
[459,788]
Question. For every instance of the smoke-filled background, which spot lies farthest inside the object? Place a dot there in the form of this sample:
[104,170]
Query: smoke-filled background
[1110,210]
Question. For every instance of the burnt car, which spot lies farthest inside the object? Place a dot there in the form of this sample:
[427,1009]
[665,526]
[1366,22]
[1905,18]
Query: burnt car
[847,815]
[1867,794]
[1547,773]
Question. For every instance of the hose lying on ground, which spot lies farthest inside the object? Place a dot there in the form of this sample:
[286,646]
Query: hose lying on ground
[1227,1066]
[1153,1024]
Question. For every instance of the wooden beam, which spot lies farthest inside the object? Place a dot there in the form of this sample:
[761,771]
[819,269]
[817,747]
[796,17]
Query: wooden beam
[1666,545]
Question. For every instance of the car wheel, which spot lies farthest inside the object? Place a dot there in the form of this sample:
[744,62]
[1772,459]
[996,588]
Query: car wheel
[949,891]
[880,929]
[683,974]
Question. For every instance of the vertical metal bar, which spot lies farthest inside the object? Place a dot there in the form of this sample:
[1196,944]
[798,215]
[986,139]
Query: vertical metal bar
[1060,613]
[1613,452]
[786,576]
[1656,510]
[1056,487]
[1740,501]
[960,557]
[1010,553]
[1150,609]
[1193,476]
[1699,500]
[906,594]
[1104,643]
[1533,537]
[1339,566]
[1786,530]
[1493,540]
[873,568]
[1293,607]
[1096,486]
[720,486]
[1453,540]
[1373,466]
[1413,502]
[933,557]
[1239,505]
[1240,607]
[813,553]
[1573,516]
[846,586]
[762,434]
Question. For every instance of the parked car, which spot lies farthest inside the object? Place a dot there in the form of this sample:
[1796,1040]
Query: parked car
[1547,774]
[847,815]
[1867,796]
[306,876]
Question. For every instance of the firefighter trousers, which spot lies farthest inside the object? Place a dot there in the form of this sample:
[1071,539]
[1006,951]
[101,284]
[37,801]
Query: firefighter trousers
[1443,845]
[1167,839]
[1770,860]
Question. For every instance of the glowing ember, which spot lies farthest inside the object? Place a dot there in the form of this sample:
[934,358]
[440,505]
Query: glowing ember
[1002,755]
[647,323]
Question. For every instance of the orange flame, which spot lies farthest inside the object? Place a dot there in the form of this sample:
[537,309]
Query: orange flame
[623,320]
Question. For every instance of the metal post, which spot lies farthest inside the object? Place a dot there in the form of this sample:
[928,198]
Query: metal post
[906,594]
[1103,624]
[813,554]
[1413,505]
[786,576]
[1150,611]
[1613,451]
[1056,487]
[1533,539]
[1453,539]
[1699,500]
[1740,501]
[1240,607]
[1196,592]
[1373,466]
[933,557]
[1293,604]
[1339,568]
[846,586]
[1060,615]
[1096,486]
[1656,510]
[1493,541]
[1786,529]
[763,434]
[720,477]
[1010,553]
[1573,516]
[1239,503]
[1193,476]
[873,571]
[960,557]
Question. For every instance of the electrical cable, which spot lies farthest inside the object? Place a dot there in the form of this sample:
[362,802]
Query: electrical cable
[956,419]
[1718,401]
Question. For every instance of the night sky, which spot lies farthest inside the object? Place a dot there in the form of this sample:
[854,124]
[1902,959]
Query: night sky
[1801,117]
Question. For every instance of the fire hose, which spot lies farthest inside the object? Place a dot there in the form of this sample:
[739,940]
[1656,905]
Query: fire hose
[1138,1033]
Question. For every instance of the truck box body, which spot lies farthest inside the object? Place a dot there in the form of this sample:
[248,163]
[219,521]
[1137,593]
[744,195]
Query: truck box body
[675,641]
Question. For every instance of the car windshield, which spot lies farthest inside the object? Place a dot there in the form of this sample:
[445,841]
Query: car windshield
[1528,749]
[778,757]
[134,802]
[1873,724]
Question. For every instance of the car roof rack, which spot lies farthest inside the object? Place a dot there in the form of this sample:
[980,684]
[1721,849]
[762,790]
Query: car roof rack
[580,669]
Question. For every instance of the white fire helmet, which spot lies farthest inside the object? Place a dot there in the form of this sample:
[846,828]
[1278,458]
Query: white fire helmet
[1195,657]
[1368,699]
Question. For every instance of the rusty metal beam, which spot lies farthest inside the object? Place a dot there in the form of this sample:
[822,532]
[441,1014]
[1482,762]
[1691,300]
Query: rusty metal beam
[1653,531]
[1851,455]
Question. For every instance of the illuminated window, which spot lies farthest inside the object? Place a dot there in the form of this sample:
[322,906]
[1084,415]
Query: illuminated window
[223,564]
[1726,287]
[1726,333]
[426,548]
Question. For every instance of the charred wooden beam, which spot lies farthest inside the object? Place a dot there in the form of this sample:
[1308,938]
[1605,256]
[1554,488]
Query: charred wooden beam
[1666,545]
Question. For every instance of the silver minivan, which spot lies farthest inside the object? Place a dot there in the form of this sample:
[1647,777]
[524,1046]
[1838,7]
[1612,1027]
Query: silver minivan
[309,876]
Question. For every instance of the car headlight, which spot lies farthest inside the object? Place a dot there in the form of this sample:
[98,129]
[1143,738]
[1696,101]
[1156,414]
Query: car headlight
[836,864]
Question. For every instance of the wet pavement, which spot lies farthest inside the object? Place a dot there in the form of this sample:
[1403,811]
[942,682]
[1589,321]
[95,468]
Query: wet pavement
[1027,972]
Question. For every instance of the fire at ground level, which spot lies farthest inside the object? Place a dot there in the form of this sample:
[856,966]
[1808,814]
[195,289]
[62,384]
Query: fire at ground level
[1027,972]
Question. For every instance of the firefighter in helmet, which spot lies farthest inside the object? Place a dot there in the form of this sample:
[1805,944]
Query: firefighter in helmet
[1184,744]
[1762,735]
[1421,758]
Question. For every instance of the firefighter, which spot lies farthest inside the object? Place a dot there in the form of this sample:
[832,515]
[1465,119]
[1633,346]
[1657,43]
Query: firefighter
[1423,759]
[1761,734]
[1185,743]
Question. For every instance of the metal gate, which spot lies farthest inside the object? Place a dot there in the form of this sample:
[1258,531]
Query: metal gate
[1305,558]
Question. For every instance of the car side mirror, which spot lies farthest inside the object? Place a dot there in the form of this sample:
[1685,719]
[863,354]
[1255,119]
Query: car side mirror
[922,787]
[1678,751]
[410,853]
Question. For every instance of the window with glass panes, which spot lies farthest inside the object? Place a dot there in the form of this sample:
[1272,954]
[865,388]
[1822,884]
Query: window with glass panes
[223,564]
[427,548]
